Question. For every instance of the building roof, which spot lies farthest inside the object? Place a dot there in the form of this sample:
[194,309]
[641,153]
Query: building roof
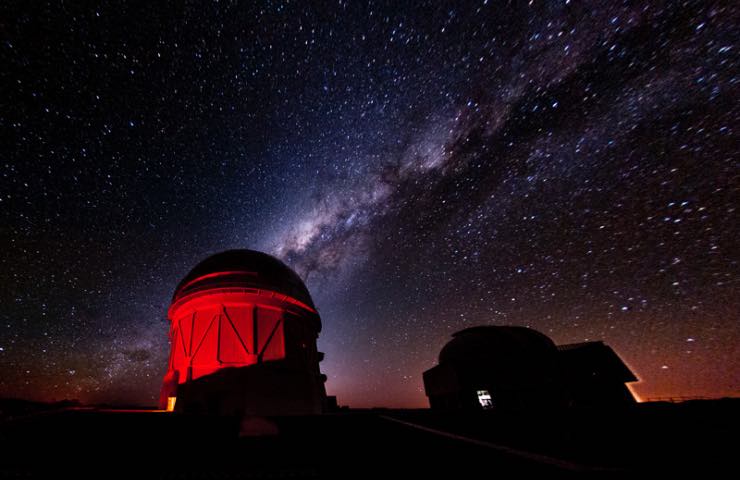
[589,359]
[497,343]
[244,268]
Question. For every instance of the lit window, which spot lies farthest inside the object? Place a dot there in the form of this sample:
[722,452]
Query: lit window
[484,398]
[171,404]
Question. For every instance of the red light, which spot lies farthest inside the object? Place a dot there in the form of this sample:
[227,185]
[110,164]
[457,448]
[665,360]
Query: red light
[229,315]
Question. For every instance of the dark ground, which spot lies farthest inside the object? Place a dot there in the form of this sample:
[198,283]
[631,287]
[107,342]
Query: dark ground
[651,439]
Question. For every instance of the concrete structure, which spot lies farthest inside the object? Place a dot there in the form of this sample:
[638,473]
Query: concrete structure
[243,340]
[519,368]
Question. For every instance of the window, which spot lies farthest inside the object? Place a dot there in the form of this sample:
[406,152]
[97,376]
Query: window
[171,404]
[484,398]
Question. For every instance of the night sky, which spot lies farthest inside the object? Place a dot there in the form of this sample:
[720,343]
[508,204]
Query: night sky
[426,167]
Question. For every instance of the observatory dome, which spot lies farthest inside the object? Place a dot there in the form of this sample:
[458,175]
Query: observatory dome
[497,344]
[243,331]
[244,268]
[510,367]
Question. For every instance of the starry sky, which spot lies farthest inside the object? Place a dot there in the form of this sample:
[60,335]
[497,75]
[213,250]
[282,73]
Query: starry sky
[425,166]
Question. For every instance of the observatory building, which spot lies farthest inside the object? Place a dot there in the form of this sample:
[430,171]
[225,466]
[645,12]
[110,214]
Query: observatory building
[243,332]
[518,368]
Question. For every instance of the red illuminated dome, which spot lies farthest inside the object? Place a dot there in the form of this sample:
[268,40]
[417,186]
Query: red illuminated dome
[244,268]
[243,339]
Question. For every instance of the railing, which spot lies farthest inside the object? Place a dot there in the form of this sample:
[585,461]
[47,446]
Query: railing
[676,399]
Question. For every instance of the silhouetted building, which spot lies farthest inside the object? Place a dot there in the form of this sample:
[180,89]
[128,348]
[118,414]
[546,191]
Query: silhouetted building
[516,367]
[243,340]
[593,375]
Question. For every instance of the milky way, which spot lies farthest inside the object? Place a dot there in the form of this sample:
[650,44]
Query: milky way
[566,166]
